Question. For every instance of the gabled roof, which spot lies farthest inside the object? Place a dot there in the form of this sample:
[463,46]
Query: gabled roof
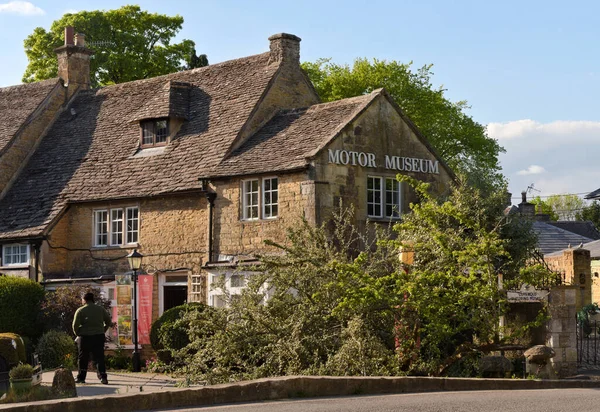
[18,103]
[89,153]
[291,136]
[593,247]
[552,238]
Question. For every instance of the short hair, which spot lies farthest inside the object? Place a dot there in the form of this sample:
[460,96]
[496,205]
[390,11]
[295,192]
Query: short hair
[89,297]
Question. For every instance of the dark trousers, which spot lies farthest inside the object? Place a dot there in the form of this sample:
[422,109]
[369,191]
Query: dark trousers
[93,344]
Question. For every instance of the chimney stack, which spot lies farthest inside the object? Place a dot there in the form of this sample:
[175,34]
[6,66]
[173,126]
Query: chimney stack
[526,208]
[74,62]
[285,48]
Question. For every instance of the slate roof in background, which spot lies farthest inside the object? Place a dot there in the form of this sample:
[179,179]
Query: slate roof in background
[89,155]
[593,247]
[285,142]
[552,239]
[585,228]
[17,103]
[593,195]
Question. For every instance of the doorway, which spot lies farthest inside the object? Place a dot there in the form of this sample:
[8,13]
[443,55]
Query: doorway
[172,291]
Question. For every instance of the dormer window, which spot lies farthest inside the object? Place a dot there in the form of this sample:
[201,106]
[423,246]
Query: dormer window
[155,132]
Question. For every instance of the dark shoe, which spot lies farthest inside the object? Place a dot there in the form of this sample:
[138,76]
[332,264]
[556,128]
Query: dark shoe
[79,380]
[104,381]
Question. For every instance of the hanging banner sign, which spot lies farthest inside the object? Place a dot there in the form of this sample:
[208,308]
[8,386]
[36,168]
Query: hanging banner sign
[145,283]
[124,309]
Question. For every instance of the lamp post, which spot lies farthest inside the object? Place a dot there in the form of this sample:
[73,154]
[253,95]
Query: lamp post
[135,262]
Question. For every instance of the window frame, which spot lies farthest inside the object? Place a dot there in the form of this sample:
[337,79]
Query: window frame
[17,264]
[383,197]
[108,226]
[271,203]
[245,206]
[154,122]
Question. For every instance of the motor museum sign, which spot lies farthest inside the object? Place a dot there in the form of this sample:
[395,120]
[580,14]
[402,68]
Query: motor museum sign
[399,163]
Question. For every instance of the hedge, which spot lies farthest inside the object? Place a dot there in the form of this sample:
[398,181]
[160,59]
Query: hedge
[12,355]
[163,326]
[20,301]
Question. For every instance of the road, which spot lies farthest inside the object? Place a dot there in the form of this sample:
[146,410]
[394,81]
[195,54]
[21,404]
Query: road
[549,400]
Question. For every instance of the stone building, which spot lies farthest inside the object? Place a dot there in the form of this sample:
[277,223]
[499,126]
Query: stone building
[193,169]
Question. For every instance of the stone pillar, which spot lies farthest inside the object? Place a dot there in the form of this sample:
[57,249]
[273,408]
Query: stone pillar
[562,333]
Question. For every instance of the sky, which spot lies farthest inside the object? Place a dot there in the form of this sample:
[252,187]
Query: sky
[530,70]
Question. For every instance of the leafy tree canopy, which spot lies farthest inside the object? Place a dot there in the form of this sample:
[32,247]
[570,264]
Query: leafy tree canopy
[459,140]
[591,213]
[129,44]
[561,207]
[542,206]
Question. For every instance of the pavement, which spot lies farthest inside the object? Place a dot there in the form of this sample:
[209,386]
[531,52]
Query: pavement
[121,382]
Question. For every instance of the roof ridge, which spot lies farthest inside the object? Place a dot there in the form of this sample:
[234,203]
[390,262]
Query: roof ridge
[167,77]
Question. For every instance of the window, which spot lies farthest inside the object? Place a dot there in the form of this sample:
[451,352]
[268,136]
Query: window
[250,199]
[15,254]
[270,196]
[119,226]
[383,197]
[155,133]
[251,193]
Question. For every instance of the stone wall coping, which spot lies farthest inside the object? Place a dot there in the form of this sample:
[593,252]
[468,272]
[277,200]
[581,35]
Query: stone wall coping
[286,387]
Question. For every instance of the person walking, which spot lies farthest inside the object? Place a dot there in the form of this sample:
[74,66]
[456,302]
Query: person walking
[90,324]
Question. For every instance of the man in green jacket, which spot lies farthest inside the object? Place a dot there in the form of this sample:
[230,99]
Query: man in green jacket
[90,324]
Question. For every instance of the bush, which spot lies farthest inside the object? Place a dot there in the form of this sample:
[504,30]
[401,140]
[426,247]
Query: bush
[58,309]
[165,334]
[120,360]
[21,371]
[20,301]
[55,348]
[12,355]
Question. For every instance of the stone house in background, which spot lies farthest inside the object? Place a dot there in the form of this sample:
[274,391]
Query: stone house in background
[193,169]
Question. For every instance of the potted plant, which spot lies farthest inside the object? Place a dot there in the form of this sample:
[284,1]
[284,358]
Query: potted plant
[21,377]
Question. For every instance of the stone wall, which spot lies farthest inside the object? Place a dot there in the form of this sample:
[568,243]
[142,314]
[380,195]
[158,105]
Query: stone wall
[562,335]
[575,268]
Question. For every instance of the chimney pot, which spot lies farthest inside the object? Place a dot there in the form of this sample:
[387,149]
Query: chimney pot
[524,197]
[284,48]
[80,40]
[69,31]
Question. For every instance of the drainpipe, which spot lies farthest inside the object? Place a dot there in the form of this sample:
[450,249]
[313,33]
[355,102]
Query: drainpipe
[36,248]
[210,196]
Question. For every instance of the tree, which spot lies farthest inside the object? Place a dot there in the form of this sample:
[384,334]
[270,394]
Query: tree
[128,44]
[591,213]
[339,301]
[566,206]
[459,140]
[542,206]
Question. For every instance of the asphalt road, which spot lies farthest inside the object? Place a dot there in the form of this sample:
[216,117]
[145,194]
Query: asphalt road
[549,400]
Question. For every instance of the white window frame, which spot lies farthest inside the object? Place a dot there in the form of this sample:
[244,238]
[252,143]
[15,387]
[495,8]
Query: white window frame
[120,222]
[383,198]
[12,255]
[108,226]
[272,192]
[246,208]
[133,231]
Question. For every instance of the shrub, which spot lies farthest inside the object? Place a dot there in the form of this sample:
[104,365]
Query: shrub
[54,348]
[20,301]
[12,355]
[21,371]
[58,309]
[120,360]
[165,334]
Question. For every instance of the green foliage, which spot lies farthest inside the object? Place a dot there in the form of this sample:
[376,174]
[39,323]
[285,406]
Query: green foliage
[21,371]
[460,141]
[59,306]
[119,360]
[20,301]
[340,302]
[566,206]
[590,213]
[13,355]
[137,45]
[542,206]
[165,333]
[35,393]
[55,348]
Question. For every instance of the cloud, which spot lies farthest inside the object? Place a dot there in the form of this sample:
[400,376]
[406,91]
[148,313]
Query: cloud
[567,150]
[24,8]
[532,170]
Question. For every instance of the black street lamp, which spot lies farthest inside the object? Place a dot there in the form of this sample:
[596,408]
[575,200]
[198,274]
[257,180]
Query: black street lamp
[135,262]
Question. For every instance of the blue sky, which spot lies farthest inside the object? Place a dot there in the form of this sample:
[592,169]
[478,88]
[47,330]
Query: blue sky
[529,69]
